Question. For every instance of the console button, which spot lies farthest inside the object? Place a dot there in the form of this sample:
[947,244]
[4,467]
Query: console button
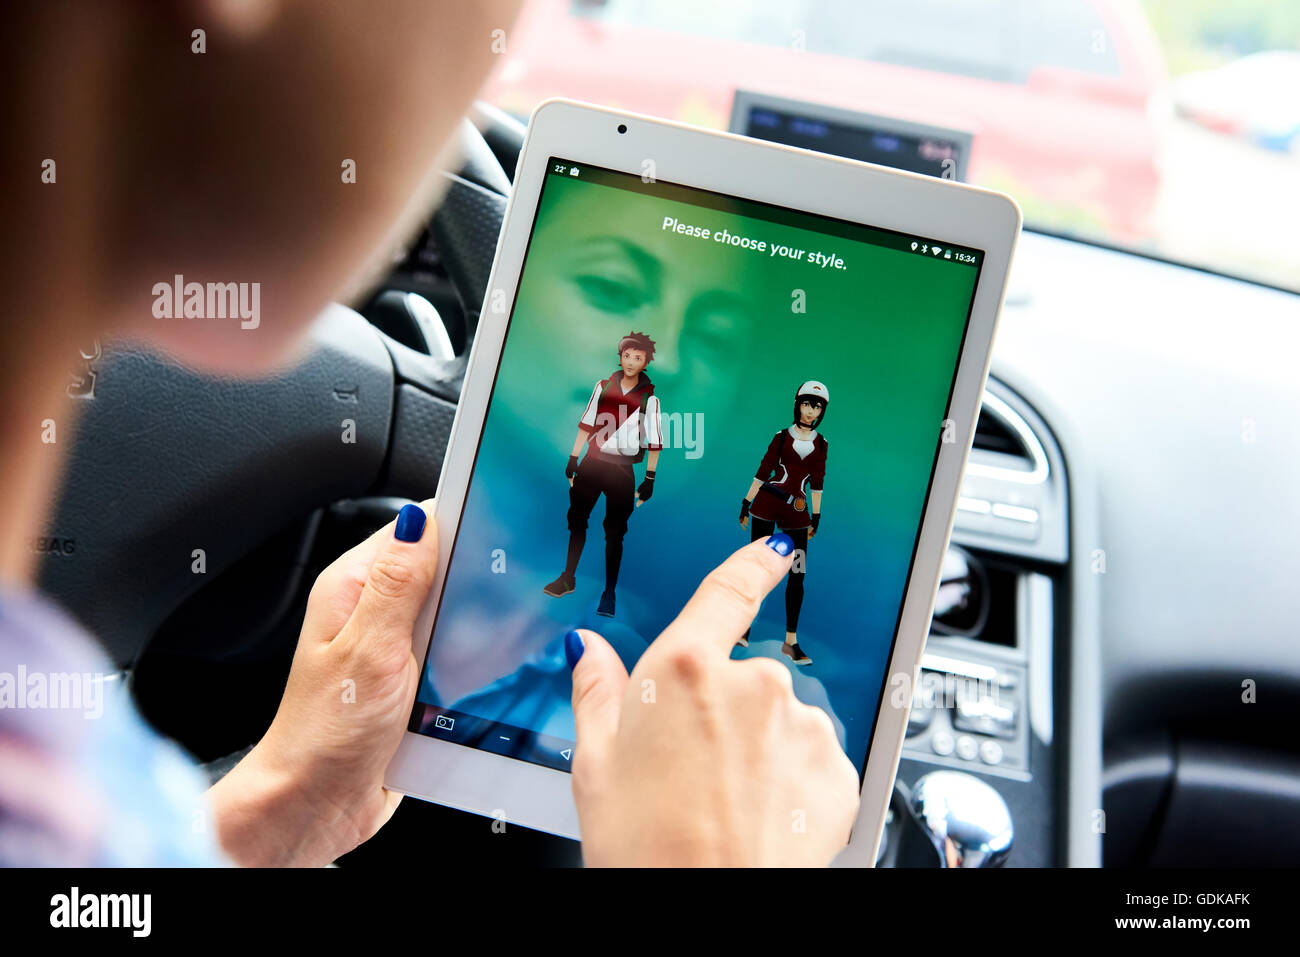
[990,751]
[984,714]
[918,719]
[967,748]
[941,743]
[921,714]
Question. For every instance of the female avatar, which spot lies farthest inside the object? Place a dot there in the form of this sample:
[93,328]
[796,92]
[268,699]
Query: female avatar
[788,480]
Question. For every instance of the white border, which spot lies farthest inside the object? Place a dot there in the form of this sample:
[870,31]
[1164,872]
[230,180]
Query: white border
[954,213]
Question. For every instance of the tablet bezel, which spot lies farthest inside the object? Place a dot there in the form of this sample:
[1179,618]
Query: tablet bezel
[519,792]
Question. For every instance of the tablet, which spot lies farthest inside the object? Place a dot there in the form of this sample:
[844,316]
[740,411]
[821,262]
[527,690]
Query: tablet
[673,300]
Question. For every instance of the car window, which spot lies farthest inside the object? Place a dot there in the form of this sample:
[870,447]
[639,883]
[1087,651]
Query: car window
[994,39]
[1168,127]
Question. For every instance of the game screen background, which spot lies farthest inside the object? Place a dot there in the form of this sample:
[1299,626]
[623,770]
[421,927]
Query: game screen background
[736,329]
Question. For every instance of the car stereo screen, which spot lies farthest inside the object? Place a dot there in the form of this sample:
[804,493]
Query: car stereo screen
[869,140]
[739,351]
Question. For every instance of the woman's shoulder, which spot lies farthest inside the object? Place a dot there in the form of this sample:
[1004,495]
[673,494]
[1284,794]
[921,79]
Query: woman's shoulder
[97,786]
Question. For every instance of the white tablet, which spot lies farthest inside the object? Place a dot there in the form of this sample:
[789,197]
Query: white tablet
[744,320]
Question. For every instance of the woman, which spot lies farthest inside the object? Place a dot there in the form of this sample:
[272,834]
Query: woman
[205,139]
[786,493]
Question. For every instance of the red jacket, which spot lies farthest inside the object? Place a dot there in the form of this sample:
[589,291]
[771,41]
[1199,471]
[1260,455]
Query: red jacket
[622,425]
[790,464]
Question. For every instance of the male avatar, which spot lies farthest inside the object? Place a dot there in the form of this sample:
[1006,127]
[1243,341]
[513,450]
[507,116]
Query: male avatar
[619,425]
[795,458]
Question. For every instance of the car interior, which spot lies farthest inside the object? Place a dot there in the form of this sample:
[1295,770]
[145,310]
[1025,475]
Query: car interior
[1121,567]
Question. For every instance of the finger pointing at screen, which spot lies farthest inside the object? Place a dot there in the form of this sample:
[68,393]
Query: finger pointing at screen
[696,759]
[725,604]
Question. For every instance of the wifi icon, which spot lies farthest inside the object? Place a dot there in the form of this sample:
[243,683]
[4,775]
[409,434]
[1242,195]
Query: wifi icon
[936,250]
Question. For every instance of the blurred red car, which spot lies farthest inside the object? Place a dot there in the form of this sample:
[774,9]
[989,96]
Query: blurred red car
[1057,94]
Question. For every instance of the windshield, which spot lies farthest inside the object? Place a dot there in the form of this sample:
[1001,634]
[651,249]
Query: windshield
[1169,127]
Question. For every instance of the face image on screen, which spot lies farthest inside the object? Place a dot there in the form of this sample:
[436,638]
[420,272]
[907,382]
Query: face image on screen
[737,349]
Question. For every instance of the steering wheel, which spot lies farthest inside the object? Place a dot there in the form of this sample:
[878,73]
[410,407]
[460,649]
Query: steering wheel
[175,477]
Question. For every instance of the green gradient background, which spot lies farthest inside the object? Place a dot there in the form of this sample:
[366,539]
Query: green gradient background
[884,335]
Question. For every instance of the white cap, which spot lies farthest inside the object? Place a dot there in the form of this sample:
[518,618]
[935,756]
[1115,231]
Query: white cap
[813,387]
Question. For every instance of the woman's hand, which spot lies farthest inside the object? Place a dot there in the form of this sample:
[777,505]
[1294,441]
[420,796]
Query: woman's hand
[312,788]
[701,760]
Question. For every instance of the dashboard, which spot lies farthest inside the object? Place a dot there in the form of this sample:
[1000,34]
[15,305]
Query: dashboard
[1139,432]
[1172,396]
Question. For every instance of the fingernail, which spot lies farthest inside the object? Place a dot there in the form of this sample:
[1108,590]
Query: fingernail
[781,543]
[410,523]
[573,648]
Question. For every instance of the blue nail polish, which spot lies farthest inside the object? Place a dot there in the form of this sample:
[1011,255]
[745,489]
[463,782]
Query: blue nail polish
[781,543]
[573,648]
[410,523]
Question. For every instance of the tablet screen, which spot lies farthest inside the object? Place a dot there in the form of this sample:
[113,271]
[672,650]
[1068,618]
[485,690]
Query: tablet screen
[739,351]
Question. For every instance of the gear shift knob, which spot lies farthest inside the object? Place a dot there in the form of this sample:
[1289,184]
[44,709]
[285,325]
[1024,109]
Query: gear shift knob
[965,819]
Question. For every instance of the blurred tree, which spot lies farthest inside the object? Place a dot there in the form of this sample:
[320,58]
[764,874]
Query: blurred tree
[1199,34]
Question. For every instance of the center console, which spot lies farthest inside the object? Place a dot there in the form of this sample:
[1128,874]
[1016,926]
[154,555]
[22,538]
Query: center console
[992,694]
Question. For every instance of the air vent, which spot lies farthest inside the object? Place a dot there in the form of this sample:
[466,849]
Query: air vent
[994,435]
[1005,447]
[1012,499]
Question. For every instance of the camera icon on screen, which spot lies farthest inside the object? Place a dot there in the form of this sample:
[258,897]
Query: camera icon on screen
[444,723]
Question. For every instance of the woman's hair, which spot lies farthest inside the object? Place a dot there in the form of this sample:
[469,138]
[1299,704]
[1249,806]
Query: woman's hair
[638,340]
